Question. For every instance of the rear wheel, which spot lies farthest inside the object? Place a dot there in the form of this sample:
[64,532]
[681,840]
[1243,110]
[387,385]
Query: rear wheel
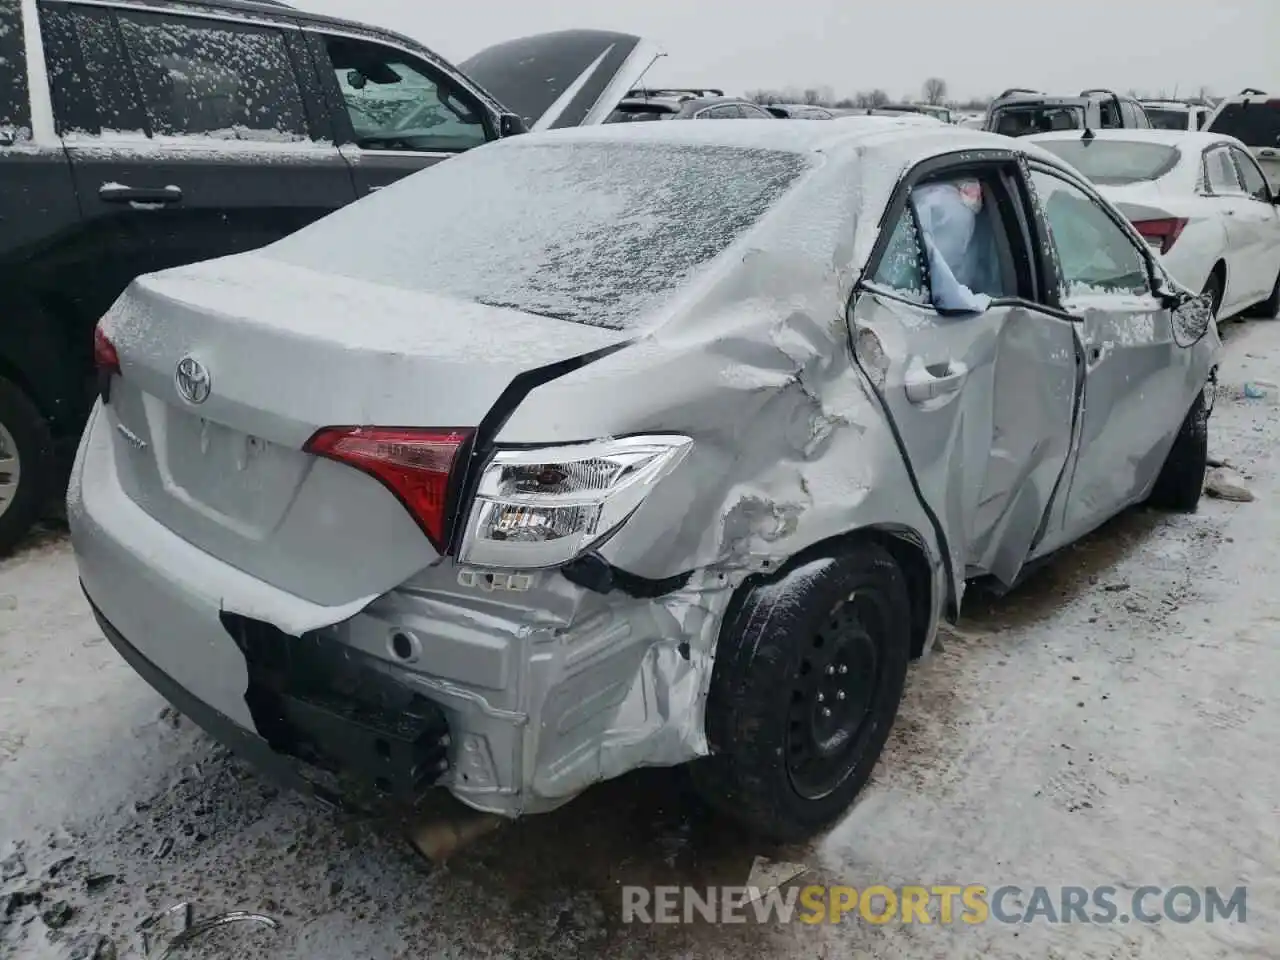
[1181,480]
[808,677]
[25,459]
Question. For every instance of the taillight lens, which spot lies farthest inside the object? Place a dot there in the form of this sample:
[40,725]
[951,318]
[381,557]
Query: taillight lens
[417,465]
[105,357]
[1161,234]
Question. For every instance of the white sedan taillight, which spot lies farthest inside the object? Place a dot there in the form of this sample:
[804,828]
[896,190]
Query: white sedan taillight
[543,507]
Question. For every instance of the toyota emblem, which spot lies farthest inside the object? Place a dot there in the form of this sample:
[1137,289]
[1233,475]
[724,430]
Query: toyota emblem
[192,380]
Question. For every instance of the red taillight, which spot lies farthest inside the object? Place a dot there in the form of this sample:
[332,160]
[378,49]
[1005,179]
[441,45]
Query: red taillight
[417,465]
[105,357]
[1161,234]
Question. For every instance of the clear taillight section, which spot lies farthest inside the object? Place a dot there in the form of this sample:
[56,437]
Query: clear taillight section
[417,465]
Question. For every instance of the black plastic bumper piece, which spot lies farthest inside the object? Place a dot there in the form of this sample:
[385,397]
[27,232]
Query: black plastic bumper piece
[329,721]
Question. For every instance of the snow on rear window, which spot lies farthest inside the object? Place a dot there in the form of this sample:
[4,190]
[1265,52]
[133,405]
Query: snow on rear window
[1115,162]
[595,233]
[15,112]
[214,79]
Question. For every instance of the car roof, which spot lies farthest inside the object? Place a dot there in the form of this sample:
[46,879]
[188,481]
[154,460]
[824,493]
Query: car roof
[888,138]
[1188,139]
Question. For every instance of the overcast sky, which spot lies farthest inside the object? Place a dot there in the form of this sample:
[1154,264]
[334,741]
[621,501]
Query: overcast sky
[978,46]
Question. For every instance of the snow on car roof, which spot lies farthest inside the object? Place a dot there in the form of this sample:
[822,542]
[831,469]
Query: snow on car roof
[889,134]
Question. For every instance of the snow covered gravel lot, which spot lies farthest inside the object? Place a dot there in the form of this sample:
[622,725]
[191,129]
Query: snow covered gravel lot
[1114,722]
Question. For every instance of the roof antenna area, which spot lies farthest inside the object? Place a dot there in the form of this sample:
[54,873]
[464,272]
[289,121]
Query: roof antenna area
[1088,135]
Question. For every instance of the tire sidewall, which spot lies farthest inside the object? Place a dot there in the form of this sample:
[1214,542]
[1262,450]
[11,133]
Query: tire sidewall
[30,433]
[760,652]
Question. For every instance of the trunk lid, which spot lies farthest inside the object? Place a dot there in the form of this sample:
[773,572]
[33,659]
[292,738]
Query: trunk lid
[567,78]
[288,351]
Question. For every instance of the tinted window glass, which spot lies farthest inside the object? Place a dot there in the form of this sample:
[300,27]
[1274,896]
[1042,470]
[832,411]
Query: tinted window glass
[1221,171]
[15,107]
[1095,254]
[1020,121]
[594,233]
[213,78]
[1256,123]
[631,116]
[88,72]
[1112,162]
[1167,118]
[395,103]
[1255,184]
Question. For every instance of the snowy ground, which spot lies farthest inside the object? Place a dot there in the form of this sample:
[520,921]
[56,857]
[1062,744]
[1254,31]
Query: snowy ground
[1113,722]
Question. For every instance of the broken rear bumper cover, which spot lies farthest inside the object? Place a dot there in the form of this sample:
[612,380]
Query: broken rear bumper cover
[515,700]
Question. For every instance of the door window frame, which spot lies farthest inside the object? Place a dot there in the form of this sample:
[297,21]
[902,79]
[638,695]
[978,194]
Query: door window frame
[1209,188]
[1055,286]
[1245,160]
[335,103]
[1009,207]
[315,116]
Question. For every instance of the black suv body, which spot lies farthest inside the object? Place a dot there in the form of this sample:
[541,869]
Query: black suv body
[137,135]
[1018,112]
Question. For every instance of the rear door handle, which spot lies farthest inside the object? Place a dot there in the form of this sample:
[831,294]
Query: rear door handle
[1098,352]
[937,380]
[119,193]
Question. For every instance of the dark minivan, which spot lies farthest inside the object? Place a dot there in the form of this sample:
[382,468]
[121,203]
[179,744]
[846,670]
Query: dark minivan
[137,135]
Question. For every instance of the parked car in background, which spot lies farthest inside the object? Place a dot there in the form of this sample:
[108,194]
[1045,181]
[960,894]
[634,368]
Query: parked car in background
[1018,112]
[173,132]
[1253,118]
[1199,199]
[934,110]
[1177,114]
[641,105]
[799,111]
[512,503]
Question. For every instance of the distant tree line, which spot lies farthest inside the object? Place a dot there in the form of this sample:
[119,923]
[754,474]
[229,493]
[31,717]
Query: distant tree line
[932,91]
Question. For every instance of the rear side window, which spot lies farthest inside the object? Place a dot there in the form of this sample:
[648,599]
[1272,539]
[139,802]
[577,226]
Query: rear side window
[1115,162]
[1256,123]
[212,78]
[15,105]
[593,233]
[1221,171]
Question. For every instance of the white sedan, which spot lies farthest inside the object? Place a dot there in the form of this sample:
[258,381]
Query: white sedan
[1200,200]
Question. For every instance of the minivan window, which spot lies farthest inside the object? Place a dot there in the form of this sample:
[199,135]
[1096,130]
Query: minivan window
[88,72]
[15,105]
[1114,162]
[1167,118]
[212,78]
[1257,123]
[594,233]
[1021,121]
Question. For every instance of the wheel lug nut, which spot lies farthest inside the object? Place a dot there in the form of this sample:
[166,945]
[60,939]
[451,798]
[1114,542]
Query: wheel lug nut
[839,694]
[843,669]
[822,697]
[826,711]
[831,671]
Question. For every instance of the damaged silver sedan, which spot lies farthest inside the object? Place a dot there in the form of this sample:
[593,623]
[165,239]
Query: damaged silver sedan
[637,445]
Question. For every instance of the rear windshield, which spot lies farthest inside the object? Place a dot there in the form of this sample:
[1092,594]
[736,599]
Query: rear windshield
[1168,118]
[1036,118]
[1114,162]
[1257,123]
[594,233]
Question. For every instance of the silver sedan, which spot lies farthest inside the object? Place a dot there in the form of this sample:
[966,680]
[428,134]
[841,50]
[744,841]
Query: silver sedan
[646,444]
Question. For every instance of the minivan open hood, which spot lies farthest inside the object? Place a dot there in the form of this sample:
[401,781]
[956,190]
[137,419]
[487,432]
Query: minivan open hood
[568,78]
